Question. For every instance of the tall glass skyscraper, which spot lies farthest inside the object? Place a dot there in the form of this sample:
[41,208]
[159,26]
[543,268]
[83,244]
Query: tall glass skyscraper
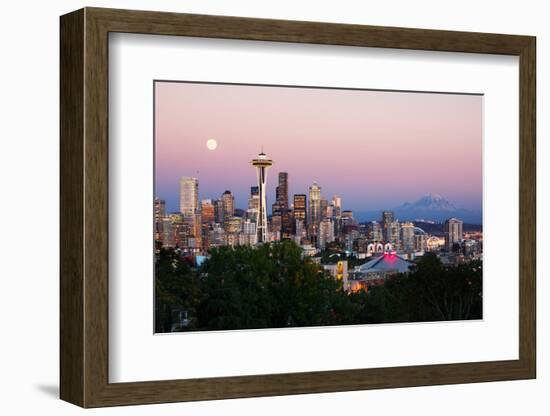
[189,207]
[189,196]
[388,221]
[282,191]
[314,217]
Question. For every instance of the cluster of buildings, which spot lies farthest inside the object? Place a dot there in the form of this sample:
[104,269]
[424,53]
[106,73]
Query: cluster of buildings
[394,252]
[310,220]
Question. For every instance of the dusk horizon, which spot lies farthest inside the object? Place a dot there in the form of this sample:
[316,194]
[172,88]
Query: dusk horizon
[375,149]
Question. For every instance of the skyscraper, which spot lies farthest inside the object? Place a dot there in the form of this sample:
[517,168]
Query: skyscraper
[189,196]
[420,242]
[207,211]
[393,233]
[228,205]
[374,230]
[253,204]
[326,232]
[300,207]
[160,209]
[453,232]
[262,164]
[165,232]
[299,213]
[281,207]
[287,226]
[407,236]
[254,199]
[388,217]
[324,208]
[348,214]
[314,215]
[189,207]
[276,209]
[160,213]
[218,211]
[337,206]
[281,192]
[276,224]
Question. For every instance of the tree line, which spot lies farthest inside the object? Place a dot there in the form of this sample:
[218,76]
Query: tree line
[273,286]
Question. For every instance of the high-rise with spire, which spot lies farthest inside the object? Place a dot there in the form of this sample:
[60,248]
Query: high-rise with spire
[314,214]
[262,164]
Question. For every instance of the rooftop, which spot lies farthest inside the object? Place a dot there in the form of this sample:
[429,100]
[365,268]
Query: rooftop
[385,263]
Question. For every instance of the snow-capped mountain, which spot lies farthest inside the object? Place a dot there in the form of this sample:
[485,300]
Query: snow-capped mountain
[432,207]
[435,207]
[431,202]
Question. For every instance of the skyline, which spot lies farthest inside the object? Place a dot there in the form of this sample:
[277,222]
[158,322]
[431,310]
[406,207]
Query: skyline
[385,168]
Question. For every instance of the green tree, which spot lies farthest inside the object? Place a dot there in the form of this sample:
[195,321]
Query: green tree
[273,286]
[268,287]
[430,292]
[176,289]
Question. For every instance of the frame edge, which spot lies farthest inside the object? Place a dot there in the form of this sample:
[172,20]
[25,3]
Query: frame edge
[84,301]
[72,298]
[528,208]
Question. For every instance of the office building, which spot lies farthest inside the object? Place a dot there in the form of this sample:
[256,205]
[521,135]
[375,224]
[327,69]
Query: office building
[388,217]
[233,225]
[374,231]
[160,209]
[228,205]
[326,232]
[407,237]
[189,196]
[300,208]
[393,230]
[314,214]
[336,206]
[453,232]
[324,208]
[208,213]
[218,211]
[281,192]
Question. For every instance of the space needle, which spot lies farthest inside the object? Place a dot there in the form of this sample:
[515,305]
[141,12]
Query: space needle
[262,163]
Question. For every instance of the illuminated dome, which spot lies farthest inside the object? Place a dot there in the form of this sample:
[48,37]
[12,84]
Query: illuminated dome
[388,262]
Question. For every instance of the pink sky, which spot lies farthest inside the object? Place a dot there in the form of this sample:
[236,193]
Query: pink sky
[375,149]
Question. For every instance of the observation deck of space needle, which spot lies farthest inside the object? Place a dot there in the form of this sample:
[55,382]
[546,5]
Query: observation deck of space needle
[262,164]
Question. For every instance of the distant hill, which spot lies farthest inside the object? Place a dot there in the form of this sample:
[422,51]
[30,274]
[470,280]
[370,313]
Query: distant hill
[430,207]
[437,228]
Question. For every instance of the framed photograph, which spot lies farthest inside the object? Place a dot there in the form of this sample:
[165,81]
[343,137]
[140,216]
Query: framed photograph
[254,207]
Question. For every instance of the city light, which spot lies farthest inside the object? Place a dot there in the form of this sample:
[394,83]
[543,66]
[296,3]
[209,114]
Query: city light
[379,248]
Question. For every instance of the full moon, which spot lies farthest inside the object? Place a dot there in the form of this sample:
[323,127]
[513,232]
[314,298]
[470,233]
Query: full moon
[211,144]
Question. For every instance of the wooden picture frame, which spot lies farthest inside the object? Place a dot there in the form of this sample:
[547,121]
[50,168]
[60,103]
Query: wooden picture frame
[84,207]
